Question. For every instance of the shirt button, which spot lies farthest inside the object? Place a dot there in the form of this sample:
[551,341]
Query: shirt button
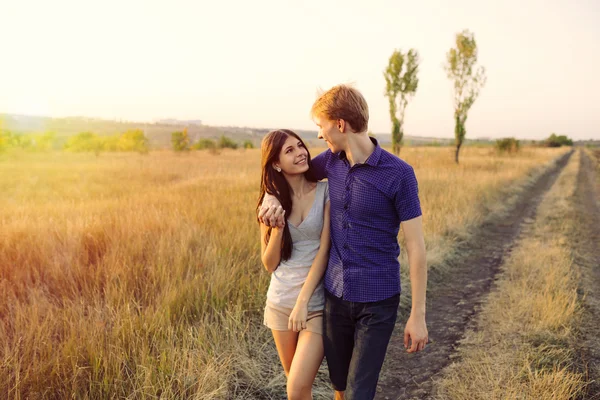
[348,187]
[346,245]
[345,206]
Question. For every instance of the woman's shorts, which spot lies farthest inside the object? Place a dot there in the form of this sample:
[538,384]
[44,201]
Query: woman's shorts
[277,319]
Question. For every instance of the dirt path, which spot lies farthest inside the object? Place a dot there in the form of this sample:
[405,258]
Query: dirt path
[587,257]
[454,297]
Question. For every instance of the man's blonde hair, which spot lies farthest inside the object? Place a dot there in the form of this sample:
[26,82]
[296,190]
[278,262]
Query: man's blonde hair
[343,102]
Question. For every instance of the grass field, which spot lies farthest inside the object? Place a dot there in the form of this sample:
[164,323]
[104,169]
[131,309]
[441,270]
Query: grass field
[139,276]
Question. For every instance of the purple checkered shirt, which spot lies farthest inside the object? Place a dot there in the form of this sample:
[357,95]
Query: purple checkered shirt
[368,203]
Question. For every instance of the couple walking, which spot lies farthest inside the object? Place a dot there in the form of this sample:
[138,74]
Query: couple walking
[332,249]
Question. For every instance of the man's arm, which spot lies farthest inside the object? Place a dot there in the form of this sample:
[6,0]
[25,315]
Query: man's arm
[408,207]
[416,328]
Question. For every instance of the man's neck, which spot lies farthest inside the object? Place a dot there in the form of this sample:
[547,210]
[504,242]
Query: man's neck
[359,148]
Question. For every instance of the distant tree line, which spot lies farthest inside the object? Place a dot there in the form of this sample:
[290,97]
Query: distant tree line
[180,141]
[131,140]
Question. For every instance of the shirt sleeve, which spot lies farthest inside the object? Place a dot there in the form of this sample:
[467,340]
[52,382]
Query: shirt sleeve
[319,165]
[408,205]
[326,195]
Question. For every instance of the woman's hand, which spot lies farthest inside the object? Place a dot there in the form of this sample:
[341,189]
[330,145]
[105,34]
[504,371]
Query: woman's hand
[297,320]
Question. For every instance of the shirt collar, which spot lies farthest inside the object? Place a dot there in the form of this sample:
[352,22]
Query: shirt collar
[373,159]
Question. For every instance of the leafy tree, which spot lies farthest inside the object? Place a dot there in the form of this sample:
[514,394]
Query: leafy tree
[227,143]
[22,141]
[468,80]
[134,140]
[204,144]
[401,83]
[508,145]
[45,141]
[180,140]
[110,143]
[5,139]
[558,140]
[84,142]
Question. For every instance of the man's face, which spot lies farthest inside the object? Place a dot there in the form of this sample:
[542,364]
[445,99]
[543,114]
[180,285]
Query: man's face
[330,132]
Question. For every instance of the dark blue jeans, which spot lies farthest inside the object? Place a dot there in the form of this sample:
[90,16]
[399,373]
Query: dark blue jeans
[356,336]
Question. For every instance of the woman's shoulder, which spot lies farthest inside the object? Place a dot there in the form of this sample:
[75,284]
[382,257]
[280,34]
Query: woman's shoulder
[323,190]
[322,184]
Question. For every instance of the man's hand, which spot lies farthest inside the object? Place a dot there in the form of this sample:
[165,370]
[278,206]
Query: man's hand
[271,213]
[415,332]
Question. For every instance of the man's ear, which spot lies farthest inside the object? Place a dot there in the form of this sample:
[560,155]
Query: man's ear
[341,125]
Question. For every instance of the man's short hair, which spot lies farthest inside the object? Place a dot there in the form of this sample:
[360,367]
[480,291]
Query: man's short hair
[343,102]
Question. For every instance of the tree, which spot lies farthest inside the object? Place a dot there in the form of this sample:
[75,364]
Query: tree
[5,139]
[558,140]
[180,140]
[468,81]
[46,141]
[248,144]
[203,144]
[227,143]
[84,142]
[400,80]
[134,140]
[508,145]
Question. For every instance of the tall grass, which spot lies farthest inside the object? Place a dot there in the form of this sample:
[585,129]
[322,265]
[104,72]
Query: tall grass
[139,276]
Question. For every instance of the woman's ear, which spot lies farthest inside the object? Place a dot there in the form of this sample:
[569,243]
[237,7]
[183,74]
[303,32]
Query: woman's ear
[276,167]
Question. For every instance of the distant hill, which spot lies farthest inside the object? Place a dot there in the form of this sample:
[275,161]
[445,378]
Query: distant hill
[159,132]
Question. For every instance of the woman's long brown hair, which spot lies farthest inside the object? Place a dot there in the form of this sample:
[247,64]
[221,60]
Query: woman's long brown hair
[274,182]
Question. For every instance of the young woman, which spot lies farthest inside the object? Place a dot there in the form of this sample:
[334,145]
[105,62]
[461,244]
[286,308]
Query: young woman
[296,255]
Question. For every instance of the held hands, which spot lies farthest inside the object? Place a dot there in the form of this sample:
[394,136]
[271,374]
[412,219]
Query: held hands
[415,332]
[298,316]
[271,213]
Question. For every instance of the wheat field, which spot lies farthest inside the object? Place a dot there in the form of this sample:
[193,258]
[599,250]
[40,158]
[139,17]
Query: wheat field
[139,276]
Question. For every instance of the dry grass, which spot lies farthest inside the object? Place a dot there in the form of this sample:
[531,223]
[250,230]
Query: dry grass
[137,276]
[522,347]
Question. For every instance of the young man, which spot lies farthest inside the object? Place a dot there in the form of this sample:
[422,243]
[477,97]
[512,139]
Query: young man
[372,193]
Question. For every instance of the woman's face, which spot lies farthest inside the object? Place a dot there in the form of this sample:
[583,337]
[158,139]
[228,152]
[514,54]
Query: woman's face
[293,157]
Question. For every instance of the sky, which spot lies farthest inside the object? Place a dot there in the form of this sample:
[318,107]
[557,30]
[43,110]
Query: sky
[260,63]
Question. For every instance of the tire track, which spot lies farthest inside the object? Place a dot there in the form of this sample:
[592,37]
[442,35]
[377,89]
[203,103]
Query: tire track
[455,296]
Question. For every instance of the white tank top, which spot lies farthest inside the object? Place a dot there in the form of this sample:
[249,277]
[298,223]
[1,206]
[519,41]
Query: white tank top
[290,275]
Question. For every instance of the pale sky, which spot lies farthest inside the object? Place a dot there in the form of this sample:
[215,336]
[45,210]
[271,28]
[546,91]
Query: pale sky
[260,63]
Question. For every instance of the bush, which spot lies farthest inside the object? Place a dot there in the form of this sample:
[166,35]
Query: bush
[84,142]
[227,143]
[248,144]
[508,145]
[110,143]
[556,141]
[205,144]
[134,140]
[180,141]
[5,139]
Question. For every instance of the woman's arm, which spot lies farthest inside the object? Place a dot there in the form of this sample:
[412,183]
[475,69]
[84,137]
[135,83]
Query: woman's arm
[297,320]
[270,254]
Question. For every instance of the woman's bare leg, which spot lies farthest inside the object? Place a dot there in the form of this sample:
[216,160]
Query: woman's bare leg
[286,342]
[305,365]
